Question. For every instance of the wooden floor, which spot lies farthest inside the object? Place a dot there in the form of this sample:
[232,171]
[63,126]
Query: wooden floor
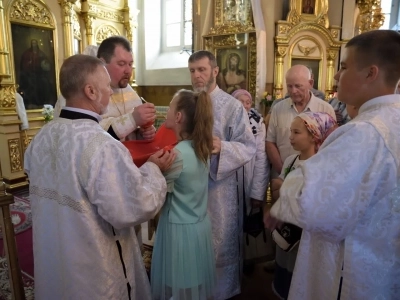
[257,285]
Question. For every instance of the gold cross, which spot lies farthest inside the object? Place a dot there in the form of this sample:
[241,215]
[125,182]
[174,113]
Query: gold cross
[122,120]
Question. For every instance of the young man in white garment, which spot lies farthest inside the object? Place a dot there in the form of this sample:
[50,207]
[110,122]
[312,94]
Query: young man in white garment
[87,194]
[347,196]
[234,145]
[125,109]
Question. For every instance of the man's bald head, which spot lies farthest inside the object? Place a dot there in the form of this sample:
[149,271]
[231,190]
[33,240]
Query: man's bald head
[299,83]
[299,71]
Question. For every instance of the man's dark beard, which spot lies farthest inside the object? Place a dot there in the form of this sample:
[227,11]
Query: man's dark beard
[122,85]
[206,86]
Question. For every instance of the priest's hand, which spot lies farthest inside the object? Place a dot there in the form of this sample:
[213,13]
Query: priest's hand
[269,221]
[163,159]
[144,114]
[216,145]
[147,132]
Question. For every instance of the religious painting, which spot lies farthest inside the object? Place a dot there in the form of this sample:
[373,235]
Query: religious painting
[237,10]
[34,63]
[308,7]
[232,64]
[313,65]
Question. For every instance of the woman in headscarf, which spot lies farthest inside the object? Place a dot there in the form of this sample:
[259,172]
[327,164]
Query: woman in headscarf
[256,171]
[307,133]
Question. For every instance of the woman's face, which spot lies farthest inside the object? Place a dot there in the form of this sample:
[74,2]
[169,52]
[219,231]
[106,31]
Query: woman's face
[300,138]
[246,101]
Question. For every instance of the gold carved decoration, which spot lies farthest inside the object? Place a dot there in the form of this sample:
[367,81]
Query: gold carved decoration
[282,51]
[105,32]
[306,50]
[232,27]
[15,155]
[31,11]
[303,20]
[370,17]
[26,140]
[318,15]
[226,40]
[227,21]
[76,28]
[7,96]
[106,14]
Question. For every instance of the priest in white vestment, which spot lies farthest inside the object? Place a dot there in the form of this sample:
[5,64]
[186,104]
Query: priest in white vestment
[121,118]
[234,145]
[86,196]
[347,196]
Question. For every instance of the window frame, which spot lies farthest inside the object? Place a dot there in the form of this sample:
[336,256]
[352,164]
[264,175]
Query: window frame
[164,48]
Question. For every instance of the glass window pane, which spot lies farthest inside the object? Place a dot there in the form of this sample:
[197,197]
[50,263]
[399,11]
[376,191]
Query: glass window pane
[173,37]
[188,33]
[173,11]
[386,6]
[188,10]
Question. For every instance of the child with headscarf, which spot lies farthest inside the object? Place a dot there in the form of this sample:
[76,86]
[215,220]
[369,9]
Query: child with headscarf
[307,133]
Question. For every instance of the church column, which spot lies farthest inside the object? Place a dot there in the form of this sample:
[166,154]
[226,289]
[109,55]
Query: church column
[11,155]
[88,19]
[330,71]
[130,23]
[279,55]
[67,9]
[4,54]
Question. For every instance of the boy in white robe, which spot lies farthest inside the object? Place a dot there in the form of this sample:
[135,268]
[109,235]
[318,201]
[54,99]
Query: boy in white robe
[86,196]
[347,196]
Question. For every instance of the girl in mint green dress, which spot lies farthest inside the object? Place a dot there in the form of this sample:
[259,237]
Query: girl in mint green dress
[183,264]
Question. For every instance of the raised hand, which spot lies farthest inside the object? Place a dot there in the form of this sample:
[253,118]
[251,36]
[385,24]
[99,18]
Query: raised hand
[144,114]
[148,132]
[163,159]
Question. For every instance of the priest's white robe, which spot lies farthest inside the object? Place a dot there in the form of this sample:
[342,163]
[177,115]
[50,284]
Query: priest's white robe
[225,194]
[84,186]
[347,200]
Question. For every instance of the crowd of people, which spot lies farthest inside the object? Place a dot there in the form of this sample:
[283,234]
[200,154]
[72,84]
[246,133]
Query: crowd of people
[334,180]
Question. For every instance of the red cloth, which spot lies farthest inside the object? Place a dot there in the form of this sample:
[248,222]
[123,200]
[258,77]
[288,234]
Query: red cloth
[143,149]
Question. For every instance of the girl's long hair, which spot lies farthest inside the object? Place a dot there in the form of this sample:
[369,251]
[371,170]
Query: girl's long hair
[199,121]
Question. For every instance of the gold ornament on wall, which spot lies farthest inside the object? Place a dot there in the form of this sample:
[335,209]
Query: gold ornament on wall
[31,11]
[306,50]
[370,17]
[105,32]
[7,96]
[15,155]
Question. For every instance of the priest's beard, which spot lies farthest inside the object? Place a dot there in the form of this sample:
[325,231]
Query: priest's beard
[206,87]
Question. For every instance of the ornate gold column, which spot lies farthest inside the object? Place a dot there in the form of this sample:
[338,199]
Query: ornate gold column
[330,72]
[88,19]
[370,17]
[130,23]
[67,9]
[4,54]
[279,73]
[11,159]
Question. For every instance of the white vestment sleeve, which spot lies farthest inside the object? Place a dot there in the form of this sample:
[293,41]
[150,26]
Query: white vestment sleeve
[261,168]
[143,192]
[235,152]
[331,191]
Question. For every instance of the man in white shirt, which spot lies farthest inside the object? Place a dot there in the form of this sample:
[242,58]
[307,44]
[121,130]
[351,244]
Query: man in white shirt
[299,83]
